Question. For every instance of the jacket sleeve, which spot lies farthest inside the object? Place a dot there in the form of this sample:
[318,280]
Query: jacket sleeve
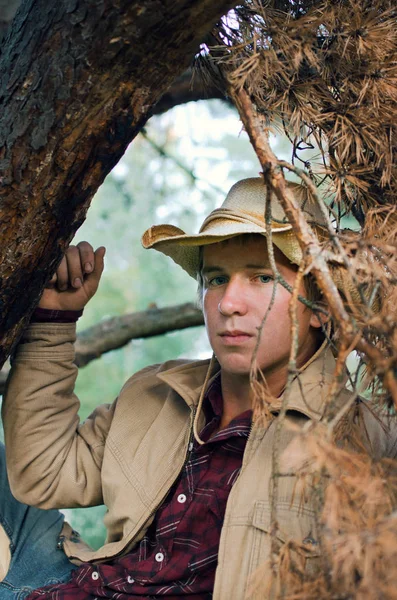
[53,461]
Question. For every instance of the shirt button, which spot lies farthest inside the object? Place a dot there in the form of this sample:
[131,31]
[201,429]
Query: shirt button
[130,579]
[181,498]
[159,557]
[95,575]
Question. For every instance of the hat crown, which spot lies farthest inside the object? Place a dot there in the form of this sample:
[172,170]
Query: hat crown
[250,196]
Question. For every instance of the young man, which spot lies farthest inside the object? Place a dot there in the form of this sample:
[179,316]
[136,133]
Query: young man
[184,470]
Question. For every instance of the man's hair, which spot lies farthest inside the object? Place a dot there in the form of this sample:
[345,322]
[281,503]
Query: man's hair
[313,292]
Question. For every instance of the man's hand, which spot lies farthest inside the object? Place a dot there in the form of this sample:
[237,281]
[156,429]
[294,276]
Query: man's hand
[76,279]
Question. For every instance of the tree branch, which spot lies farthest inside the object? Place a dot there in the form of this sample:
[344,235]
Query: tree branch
[118,331]
[188,87]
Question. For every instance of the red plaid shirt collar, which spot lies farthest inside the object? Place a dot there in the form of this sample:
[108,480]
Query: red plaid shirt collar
[213,402]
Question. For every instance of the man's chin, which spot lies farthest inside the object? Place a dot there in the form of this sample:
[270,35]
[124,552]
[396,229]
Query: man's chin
[235,367]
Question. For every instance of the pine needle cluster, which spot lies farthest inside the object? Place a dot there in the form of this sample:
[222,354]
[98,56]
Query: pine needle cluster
[327,73]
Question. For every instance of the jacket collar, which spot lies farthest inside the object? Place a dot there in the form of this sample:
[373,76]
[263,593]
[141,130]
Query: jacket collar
[187,380]
[308,392]
[310,387]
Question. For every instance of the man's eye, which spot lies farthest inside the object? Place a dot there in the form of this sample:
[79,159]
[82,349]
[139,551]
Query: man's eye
[217,281]
[265,278]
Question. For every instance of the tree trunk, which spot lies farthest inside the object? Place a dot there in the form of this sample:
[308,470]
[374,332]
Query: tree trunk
[185,88]
[78,79]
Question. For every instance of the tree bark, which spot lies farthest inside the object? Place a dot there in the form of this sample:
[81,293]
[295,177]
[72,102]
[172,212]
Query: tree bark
[78,79]
[118,331]
[8,8]
[185,88]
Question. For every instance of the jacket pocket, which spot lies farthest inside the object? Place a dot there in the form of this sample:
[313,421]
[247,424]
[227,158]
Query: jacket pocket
[296,534]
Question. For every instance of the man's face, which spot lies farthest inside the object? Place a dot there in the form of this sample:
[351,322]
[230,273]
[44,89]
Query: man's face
[237,292]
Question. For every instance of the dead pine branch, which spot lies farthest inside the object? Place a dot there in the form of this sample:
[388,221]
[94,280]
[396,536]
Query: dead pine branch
[325,73]
[311,248]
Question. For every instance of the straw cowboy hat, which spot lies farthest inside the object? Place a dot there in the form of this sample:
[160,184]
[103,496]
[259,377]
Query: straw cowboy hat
[243,211]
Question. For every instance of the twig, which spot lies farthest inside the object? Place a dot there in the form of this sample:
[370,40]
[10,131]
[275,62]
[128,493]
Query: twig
[116,332]
[338,381]
[259,407]
[290,377]
[292,371]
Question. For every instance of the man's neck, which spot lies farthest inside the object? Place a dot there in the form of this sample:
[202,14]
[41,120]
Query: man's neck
[237,397]
[237,392]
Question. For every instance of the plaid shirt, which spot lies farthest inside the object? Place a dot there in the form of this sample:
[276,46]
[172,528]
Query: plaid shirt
[179,553]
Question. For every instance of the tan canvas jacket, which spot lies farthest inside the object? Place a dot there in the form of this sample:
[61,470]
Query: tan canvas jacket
[128,454]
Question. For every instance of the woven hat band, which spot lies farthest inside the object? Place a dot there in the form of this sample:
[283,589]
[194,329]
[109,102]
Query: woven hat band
[222,215]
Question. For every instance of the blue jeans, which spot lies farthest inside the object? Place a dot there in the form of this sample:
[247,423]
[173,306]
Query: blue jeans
[35,559]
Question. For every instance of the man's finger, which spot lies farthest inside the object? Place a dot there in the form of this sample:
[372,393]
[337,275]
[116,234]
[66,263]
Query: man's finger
[52,282]
[87,257]
[62,275]
[93,278]
[75,271]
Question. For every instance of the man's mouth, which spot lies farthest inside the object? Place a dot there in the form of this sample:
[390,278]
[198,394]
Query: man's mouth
[234,337]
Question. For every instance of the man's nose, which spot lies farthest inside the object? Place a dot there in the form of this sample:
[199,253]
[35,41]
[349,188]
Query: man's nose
[233,300]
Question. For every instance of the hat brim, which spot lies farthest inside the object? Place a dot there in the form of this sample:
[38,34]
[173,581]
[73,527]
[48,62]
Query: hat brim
[185,249]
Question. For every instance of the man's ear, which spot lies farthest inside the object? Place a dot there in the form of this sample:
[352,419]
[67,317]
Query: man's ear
[318,318]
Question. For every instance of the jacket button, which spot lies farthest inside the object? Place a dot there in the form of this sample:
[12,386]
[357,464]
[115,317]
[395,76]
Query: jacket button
[95,575]
[181,498]
[159,557]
